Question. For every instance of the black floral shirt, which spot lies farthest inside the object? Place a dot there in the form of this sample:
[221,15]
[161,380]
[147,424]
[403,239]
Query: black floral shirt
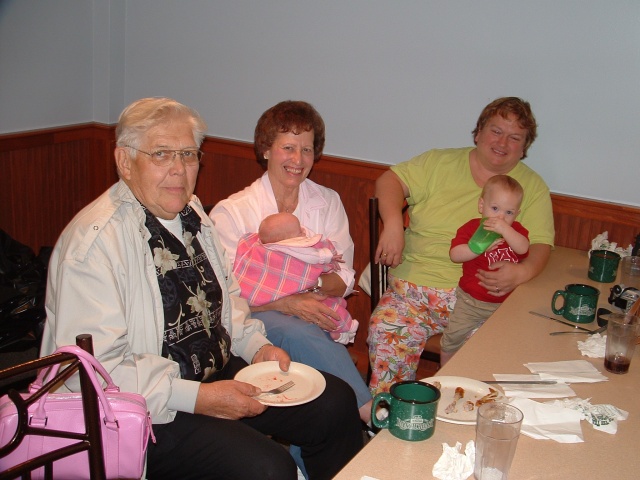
[192,299]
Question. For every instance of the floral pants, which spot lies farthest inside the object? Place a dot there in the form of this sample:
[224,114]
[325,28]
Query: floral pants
[406,316]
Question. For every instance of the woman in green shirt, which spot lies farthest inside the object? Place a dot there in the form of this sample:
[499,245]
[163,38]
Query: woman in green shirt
[441,188]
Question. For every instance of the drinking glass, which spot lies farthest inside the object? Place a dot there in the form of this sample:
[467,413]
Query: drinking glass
[622,335]
[497,431]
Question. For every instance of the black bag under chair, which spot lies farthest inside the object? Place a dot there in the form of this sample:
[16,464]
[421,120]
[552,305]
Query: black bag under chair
[23,278]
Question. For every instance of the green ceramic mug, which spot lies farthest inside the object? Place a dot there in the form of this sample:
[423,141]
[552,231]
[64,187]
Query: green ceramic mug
[580,303]
[603,266]
[412,410]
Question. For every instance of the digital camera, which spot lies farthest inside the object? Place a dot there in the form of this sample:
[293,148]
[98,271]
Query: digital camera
[623,297]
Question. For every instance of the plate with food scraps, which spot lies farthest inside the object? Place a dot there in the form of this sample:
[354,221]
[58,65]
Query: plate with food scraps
[309,383]
[460,398]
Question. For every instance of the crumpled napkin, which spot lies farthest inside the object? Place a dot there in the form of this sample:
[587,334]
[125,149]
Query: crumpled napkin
[453,465]
[569,371]
[544,421]
[603,417]
[601,242]
[594,346]
[559,390]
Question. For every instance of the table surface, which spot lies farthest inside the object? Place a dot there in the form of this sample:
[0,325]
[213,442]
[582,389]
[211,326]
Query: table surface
[510,338]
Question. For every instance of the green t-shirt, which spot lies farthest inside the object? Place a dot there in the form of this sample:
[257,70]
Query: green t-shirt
[442,197]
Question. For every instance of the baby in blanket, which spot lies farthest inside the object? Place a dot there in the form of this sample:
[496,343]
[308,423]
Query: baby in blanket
[284,258]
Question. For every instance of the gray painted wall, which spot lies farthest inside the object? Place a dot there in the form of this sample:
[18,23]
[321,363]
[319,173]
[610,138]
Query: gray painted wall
[391,79]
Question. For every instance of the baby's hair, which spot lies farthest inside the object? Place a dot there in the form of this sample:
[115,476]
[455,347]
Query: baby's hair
[277,227]
[505,182]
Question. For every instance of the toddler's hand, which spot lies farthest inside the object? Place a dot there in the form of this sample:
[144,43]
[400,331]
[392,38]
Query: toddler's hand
[495,224]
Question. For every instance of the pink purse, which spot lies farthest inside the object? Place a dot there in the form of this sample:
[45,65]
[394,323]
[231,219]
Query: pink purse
[125,425]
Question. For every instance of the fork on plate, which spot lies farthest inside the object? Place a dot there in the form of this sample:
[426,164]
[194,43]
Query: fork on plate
[280,389]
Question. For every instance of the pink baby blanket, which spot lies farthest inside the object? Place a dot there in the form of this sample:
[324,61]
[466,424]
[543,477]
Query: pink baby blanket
[266,275]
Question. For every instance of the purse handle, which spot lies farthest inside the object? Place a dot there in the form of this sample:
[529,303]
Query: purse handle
[91,365]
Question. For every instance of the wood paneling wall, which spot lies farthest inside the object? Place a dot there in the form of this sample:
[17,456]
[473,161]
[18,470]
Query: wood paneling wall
[579,220]
[49,175]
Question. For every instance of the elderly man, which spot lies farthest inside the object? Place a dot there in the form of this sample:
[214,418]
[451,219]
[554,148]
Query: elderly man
[141,270]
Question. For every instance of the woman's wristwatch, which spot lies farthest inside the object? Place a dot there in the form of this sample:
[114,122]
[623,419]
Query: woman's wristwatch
[317,288]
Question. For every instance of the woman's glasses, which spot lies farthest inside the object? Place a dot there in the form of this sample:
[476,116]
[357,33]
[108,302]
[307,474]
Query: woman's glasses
[164,158]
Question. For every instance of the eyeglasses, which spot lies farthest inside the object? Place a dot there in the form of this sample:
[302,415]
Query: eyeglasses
[164,158]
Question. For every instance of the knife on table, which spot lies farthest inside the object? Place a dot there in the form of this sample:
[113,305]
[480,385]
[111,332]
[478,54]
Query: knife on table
[560,321]
[522,382]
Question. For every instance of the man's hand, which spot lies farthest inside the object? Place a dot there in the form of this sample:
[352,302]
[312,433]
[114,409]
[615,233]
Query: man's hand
[228,399]
[271,352]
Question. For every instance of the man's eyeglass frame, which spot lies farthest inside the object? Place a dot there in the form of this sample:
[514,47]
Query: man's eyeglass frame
[165,157]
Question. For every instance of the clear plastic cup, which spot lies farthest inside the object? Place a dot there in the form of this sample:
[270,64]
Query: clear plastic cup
[630,271]
[622,335]
[497,432]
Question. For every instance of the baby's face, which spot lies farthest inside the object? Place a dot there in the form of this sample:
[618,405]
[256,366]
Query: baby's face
[500,203]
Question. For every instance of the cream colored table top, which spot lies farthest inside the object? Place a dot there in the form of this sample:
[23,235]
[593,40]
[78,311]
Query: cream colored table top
[510,338]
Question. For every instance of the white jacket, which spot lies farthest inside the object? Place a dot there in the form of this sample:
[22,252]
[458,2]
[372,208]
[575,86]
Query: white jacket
[102,281]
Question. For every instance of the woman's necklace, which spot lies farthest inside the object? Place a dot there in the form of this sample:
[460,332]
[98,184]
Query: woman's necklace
[287,207]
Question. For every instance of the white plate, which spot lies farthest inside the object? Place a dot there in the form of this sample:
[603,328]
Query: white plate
[309,382]
[474,390]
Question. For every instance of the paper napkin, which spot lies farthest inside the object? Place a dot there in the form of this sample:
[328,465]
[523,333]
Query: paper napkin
[569,371]
[603,417]
[559,390]
[601,242]
[549,422]
[454,465]
[594,346]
